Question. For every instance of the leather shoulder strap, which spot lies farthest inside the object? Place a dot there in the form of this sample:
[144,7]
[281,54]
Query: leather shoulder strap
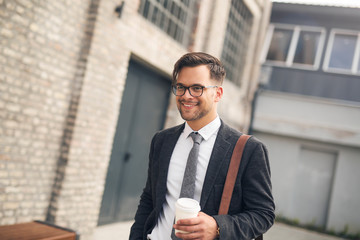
[232,173]
[231,176]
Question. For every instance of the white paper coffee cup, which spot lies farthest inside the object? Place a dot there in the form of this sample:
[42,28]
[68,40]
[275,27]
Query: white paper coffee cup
[186,208]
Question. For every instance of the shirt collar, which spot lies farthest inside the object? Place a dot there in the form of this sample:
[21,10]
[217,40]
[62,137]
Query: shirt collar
[207,131]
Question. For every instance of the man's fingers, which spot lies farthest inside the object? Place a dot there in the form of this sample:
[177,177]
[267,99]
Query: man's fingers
[189,228]
[202,227]
[189,221]
[190,235]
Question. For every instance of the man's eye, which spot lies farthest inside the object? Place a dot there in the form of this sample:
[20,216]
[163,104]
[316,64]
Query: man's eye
[196,88]
[180,87]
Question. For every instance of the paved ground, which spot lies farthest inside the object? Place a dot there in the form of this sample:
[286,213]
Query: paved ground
[120,231]
[285,232]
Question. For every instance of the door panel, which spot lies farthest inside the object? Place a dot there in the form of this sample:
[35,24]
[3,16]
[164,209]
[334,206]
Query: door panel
[313,186]
[142,113]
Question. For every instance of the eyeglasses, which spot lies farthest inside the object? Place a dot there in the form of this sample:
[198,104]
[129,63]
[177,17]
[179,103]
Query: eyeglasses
[195,91]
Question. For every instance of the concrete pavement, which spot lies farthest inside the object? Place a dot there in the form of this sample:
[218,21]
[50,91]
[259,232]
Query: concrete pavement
[120,231]
[282,231]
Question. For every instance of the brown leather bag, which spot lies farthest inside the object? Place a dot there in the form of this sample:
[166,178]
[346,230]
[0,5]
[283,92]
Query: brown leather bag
[231,176]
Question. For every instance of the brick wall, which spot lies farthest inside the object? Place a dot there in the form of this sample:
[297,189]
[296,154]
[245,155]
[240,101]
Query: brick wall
[40,42]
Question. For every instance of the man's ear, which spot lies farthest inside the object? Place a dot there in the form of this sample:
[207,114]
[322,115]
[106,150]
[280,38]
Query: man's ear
[219,93]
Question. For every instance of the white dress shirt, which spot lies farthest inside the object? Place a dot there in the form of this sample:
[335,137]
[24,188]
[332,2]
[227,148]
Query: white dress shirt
[162,230]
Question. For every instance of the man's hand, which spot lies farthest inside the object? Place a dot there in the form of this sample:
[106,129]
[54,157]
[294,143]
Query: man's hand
[202,227]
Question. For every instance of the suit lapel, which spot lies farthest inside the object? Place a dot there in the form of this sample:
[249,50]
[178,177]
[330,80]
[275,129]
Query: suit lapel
[167,149]
[220,150]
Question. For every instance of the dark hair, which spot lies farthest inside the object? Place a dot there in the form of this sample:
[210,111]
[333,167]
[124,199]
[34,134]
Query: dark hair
[193,59]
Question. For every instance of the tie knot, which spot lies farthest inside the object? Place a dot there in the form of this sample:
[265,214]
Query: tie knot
[197,138]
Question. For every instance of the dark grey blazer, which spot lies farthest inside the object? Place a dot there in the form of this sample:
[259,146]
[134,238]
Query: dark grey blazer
[251,211]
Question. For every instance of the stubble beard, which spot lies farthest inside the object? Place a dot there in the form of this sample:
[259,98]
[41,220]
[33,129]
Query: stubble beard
[198,114]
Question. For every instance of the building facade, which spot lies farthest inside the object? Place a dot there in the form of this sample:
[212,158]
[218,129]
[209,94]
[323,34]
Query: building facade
[85,84]
[308,113]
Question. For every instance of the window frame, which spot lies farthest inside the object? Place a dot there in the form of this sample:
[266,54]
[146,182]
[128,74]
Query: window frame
[182,27]
[355,69]
[297,29]
[233,61]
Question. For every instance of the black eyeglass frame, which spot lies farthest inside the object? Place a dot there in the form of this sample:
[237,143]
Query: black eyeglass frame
[174,90]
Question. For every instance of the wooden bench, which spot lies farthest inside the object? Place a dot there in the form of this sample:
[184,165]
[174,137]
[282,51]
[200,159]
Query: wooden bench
[36,230]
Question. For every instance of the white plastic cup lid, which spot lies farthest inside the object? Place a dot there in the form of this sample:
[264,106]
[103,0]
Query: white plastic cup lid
[188,204]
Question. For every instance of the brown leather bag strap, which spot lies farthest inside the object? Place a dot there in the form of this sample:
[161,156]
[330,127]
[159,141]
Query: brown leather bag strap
[231,176]
[232,173]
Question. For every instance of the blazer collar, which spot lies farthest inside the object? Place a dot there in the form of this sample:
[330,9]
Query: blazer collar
[167,149]
[220,150]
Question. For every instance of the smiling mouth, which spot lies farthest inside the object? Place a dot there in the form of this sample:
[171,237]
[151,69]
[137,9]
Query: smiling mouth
[191,104]
[186,105]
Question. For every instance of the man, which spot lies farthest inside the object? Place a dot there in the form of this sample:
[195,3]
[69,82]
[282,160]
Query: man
[197,80]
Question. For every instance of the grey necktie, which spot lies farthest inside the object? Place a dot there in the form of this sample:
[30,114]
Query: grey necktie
[188,184]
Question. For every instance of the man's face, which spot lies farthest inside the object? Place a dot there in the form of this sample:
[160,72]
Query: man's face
[201,110]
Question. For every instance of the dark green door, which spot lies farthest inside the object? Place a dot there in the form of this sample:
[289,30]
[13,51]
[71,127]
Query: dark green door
[142,113]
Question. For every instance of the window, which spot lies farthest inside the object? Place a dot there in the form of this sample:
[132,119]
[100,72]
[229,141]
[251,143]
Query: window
[280,44]
[343,52]
[236,40]
[175,17]
[305,52]
[295,46]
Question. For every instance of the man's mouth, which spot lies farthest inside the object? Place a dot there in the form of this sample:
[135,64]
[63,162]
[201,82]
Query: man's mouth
[189,104]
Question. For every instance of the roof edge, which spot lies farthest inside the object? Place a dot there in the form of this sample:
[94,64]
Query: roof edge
[328,3]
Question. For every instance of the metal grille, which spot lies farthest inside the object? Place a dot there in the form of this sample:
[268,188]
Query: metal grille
[236,40]
[175,17]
